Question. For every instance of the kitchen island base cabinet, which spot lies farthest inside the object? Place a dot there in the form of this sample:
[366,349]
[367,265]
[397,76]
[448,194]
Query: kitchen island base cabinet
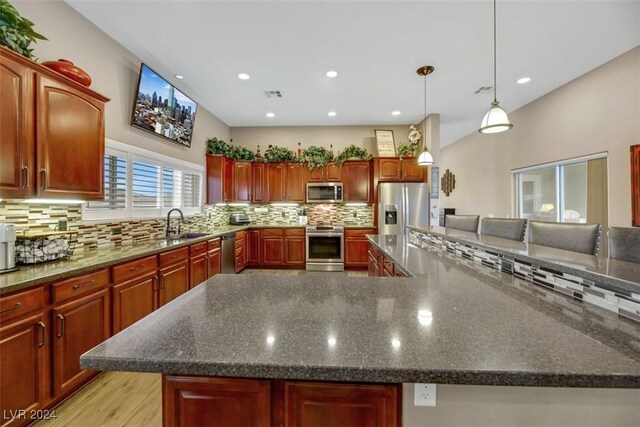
[216,401]
[356,248]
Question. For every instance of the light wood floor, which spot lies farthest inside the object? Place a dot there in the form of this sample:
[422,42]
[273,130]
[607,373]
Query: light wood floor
[114,399]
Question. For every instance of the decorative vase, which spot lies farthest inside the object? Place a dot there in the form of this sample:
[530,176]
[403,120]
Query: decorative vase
[67,69]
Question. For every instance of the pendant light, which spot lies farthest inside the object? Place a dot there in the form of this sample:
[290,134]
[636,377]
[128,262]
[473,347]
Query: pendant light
[496,119]
[425,158]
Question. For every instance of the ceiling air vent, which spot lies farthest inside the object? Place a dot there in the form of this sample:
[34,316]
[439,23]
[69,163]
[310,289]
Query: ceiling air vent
[272,94]
[483,89]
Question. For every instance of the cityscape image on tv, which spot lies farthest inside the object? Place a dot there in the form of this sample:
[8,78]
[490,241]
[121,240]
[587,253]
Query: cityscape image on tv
[163,109]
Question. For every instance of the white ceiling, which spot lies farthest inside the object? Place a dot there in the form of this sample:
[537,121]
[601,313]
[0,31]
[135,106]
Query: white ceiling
[376,48]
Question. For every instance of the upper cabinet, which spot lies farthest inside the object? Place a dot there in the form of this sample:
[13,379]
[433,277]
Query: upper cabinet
[328,173]
[286,182]
[276,180]
[219,179]
[52,133]
[396,169]
[296,182]
[259,189]
[356,178]
[243,182]
[635,185]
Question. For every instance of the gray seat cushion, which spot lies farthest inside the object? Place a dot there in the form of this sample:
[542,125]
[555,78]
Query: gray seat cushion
[463,222]
[584,238]
[506,228]
[624,244]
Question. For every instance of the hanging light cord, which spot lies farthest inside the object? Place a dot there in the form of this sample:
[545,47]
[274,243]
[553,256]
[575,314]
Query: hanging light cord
[424,135]
[495,89]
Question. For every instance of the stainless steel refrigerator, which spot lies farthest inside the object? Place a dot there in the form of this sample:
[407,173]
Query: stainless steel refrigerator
[402,204]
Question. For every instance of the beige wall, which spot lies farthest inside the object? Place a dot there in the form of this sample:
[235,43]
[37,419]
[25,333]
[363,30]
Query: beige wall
[599,111]
[339,136]
[114,71]
[490,406]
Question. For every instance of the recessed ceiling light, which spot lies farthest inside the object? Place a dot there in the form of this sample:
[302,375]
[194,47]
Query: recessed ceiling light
[179,76]
[332,73]
[270,115]
[331,113]
[243,76]
[524,80]
[395,113]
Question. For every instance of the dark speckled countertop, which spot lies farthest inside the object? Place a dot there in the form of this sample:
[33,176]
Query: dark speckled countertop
[451,326]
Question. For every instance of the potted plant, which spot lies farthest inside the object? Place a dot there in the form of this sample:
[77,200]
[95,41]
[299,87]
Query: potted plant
[408,149]
[218,146]
[16,31]
[279,154]
[352,152]
[316,157]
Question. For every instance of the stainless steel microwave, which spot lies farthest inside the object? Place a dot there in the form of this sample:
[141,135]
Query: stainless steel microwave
[324,192]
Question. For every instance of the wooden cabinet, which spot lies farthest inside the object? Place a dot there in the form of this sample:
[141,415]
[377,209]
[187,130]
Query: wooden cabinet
[331,172]
[296,182]
[294,247]
[376,261]
[242,181]
[79,325]
[52,133]
[272,246]
[413,172]
[253,247]
[259,182]
[214,257]
[198,264]
[134,299]
[276,182]
[329,404]
[356,248]
[388,267]
[635,185]
[396,169]
[174,281]
[241,251]
[219,179]
[200,401]
[356,177]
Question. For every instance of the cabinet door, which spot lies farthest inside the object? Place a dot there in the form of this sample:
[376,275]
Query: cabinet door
[133,300]
[198,270]
[24,373]
[242,181]
[258,194]
[16,132]
[316,175]
[79,326]
[253,246]
[276,182]
[207,401]
[333,405]
[214,262]
[332,173]
[272,250]
[411,171]
[356,252]
[389,169]
[215,177]
[296,182]
[635,185]
[70,142]
[356,177]
[294,251]
[174,281]
[373,266]
[227,180]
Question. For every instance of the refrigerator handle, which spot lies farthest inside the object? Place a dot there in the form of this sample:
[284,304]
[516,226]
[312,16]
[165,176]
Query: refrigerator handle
[405,208]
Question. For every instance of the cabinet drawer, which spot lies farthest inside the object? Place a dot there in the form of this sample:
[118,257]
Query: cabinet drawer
[197,249]
[239,252]
[135,268]
[174,256]
[21,303]
[291,232]
[388,265]
[358,232]
[374,252]
[80,285]
[268,232]
[213,244]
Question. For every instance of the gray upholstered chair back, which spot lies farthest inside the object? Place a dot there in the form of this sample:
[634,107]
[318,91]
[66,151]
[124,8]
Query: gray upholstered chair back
[506,228]
[583,238]
[463,222]
[624,244]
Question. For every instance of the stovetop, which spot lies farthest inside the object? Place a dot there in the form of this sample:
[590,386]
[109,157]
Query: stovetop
[325,227]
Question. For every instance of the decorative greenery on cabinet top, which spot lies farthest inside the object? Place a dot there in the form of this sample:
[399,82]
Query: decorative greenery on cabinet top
[16,31]
[316,157]
[279,154]
[352,151]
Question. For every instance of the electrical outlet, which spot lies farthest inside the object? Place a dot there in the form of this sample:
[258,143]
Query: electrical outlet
[116,230]
[62,225]
[355,214]
[284,214]
[424,395]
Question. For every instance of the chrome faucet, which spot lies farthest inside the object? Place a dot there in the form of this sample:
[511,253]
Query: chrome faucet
[170,230]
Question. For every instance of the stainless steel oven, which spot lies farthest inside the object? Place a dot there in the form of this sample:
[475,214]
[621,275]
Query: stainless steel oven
[325,248]
[324,192]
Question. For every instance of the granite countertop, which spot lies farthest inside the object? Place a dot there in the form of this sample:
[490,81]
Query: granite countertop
[87,261]
[620,275]
[451,326]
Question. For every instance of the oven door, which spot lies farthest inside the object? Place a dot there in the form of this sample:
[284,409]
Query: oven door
[325,247]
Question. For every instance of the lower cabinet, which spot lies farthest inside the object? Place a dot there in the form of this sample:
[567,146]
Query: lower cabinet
[253,247]
[214,257]
[216,401]
[198,264]
[282,247]
[174,281]
[241,256]
[272,247]
[134,299]
[356,248]
[294,247]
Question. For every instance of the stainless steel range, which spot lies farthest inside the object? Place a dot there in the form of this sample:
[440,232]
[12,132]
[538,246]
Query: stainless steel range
[325,248]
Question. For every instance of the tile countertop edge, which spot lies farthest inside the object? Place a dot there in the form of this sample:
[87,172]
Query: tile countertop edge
[76,271]
[608,282]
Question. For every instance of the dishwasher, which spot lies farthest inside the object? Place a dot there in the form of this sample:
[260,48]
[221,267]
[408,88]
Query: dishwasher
[228,262]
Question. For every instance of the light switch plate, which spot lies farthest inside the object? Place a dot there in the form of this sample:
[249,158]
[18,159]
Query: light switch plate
[424,395]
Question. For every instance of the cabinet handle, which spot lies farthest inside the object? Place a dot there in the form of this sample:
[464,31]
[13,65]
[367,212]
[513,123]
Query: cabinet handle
[61,324]
[25,177]
[43,174]
[155,283]
[43,330]
[90,282]
[18,305]
[137,268]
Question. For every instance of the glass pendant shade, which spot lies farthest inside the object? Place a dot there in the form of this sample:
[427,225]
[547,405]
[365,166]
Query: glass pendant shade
[496,120]
[425,158]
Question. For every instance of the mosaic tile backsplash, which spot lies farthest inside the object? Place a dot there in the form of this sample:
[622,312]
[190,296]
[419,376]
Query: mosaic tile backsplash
[92,235]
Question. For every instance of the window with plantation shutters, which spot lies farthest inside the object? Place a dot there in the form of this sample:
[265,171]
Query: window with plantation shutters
[142,184]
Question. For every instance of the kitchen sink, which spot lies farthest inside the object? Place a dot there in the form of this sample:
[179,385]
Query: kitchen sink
[185,236]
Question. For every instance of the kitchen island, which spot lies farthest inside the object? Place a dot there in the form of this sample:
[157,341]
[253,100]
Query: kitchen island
[285,349]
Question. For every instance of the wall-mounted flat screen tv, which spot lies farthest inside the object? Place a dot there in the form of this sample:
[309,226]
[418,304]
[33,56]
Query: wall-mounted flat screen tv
[162,109]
